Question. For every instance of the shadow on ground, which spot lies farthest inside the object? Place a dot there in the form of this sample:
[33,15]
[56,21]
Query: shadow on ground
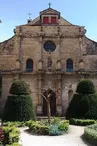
[89,143]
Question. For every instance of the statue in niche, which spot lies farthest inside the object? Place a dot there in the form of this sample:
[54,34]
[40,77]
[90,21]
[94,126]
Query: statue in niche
[49,63]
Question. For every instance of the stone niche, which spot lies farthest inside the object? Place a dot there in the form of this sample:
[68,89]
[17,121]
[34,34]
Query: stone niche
[40,65]
[58,67]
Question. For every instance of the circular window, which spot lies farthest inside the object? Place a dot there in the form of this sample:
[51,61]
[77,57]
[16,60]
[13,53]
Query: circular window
[49,46]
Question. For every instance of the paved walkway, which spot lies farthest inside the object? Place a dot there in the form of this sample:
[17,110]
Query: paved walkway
[73,138]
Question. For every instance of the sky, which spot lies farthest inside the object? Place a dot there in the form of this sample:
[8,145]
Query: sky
[78,12]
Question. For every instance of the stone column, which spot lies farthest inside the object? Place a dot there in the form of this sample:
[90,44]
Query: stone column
[58,62]
[39,94]
[39,79]
[80,45]
[18,49]
[58,46]
[59,95]
[40,61]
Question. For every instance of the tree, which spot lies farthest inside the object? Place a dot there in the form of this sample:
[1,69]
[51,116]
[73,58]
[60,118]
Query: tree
[84,101]
[48,94]
[47,97]
[19,105]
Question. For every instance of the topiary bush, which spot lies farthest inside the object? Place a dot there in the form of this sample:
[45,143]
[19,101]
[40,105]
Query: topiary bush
[85,87]
[84,102]
[19,107]
[19,87]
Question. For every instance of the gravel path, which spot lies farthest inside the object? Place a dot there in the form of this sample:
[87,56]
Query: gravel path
[73,138]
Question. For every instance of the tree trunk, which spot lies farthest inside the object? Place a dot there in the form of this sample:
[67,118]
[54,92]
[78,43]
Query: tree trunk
[49,112]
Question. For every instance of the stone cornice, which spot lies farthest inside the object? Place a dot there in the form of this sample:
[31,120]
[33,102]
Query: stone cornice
[52,35]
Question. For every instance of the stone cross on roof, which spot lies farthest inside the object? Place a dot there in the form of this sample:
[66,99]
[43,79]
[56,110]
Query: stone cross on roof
[29,15]
[49,4]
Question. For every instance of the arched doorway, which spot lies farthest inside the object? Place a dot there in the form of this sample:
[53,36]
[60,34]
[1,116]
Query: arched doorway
[52,102]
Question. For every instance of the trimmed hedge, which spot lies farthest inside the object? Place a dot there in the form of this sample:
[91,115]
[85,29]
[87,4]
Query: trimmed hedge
[84,103]
[85,87]
[19,108]
[19,87]
[19,105]
[81,122]
[83,106]
[90,133]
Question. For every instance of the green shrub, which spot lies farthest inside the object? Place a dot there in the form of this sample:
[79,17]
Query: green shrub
[19,105]
[82,122]
[63,125]
[83,103]
[83,106]
[85,87]
[36,128]
[14,144]
[11,135]
[17,124]
[19,87]
[19,108]
[90,133]
[55,120]
[54,130]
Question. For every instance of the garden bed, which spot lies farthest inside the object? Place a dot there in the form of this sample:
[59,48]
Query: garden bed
[57,127]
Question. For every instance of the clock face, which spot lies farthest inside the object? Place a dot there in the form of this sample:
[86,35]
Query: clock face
[49,46]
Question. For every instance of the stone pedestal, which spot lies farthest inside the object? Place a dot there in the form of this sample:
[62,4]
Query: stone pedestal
[59,110]
[39,110]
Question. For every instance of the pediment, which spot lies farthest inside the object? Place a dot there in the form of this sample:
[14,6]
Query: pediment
[64,21]
[61,22]
[49,11]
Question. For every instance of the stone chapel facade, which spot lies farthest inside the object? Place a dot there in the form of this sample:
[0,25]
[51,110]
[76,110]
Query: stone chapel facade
[48,52]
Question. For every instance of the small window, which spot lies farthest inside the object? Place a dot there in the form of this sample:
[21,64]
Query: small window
[46,20]
[49,46]
[53,20]
[69,65]
[29,65]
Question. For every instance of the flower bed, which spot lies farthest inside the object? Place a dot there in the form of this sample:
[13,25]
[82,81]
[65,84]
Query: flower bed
[57,127]
[90,133]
